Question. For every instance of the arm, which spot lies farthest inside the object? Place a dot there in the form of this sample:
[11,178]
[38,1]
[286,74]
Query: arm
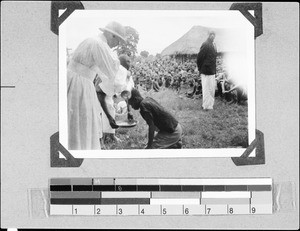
[223,86]
[150,134]
[148,118]
[232,89]
[101,97]
[219,77]
[200,57]
[129,115]
[105,59]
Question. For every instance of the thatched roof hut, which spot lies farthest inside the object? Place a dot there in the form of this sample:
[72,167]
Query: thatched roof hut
[190,42]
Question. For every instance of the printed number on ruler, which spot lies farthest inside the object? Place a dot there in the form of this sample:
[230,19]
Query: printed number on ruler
[166,197]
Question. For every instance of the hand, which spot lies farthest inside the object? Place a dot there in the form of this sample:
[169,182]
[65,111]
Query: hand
[148,147]
[112,123]
[97,81]
[129,116]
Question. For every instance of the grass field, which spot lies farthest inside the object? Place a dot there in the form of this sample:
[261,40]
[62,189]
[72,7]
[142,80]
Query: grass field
[224,127]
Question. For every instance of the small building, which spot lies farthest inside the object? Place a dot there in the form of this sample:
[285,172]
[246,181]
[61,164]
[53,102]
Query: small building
[188,46]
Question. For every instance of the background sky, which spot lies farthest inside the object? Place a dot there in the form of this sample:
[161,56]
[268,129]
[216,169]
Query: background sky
[157,29]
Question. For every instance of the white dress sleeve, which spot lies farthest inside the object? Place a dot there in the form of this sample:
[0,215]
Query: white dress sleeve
[120,80]
[96,54]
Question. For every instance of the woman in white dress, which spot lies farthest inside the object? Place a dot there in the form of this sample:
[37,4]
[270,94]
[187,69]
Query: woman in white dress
[92,61]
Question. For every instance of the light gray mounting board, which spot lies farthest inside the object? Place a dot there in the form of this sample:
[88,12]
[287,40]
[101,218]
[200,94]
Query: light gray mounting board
[29,116]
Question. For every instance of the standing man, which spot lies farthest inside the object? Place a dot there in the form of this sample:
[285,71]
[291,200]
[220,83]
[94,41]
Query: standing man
[206,62]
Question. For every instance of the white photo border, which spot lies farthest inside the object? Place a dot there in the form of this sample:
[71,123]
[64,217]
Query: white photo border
[154,153]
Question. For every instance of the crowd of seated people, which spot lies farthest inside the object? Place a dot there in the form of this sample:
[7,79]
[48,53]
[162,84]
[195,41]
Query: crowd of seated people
[183,77]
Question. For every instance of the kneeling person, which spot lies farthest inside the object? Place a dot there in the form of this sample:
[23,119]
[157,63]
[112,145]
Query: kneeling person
[169,130]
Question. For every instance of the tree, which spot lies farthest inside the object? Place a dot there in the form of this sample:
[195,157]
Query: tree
[158,56]
[144,54]
[150,58]
[130,46]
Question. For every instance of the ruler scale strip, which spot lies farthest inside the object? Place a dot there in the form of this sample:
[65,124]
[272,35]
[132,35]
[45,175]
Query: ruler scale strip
[153,196]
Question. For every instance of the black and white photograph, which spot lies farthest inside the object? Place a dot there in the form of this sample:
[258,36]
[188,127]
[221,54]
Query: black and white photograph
[132,80]
[149,115]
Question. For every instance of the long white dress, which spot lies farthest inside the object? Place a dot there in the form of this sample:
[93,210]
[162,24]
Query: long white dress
[92,57]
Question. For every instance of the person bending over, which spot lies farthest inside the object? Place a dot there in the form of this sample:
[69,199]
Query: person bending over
[169,133]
